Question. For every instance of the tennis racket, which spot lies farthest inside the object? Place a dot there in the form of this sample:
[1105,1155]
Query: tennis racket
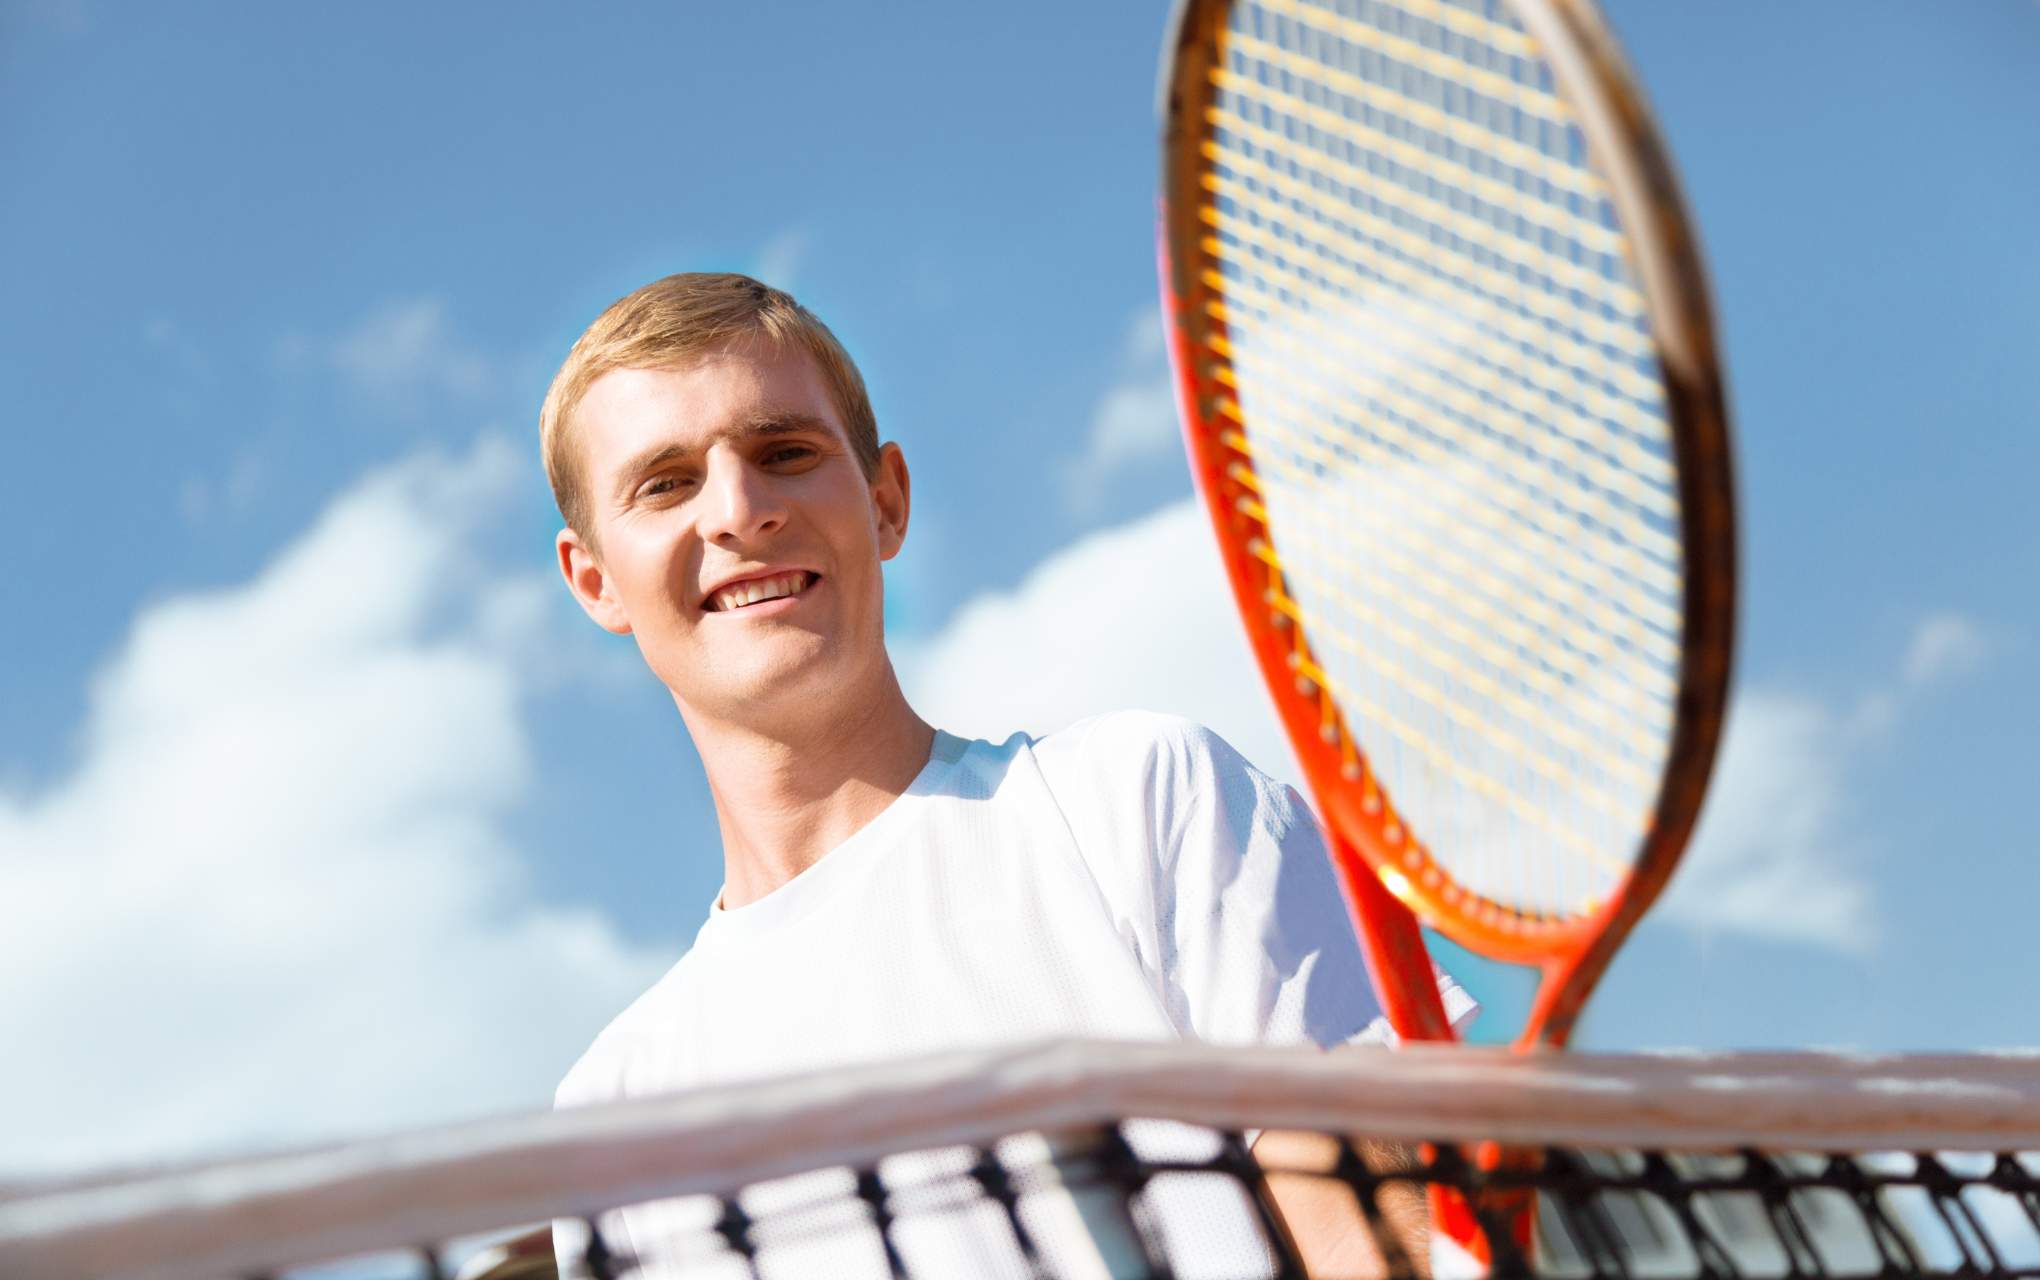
[1448,379]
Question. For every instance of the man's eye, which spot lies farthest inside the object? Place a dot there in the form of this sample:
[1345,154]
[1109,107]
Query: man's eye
[659,486]
[789,453]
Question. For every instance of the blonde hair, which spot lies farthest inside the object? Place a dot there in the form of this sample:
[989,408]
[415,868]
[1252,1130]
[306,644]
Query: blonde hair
[670,323]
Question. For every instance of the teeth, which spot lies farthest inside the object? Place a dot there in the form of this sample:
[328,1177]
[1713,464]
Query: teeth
[785,584]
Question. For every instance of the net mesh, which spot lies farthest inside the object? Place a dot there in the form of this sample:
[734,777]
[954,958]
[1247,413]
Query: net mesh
[1601,1213]
[1020,1164]
[1439,379]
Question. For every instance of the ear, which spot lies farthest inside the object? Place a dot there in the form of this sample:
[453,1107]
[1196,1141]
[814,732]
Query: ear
[590,585]
[891,494]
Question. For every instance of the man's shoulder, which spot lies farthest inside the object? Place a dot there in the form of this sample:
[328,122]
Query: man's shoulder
[597,1076]
[1161,776]
[1123,752]
[603,1073]
[1136,740]
[1127,753]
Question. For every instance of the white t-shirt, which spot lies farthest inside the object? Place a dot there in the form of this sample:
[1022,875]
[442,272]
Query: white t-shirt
[1130,876]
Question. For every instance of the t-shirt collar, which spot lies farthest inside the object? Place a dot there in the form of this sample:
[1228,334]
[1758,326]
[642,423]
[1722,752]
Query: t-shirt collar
[800,894]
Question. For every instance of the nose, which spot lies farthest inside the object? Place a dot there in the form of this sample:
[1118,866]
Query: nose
[739,503]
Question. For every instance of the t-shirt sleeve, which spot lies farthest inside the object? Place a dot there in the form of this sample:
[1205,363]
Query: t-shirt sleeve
[1258,947]
[1220,877]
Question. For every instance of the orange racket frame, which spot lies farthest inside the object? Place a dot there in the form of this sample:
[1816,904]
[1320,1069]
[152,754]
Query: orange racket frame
[1389,875]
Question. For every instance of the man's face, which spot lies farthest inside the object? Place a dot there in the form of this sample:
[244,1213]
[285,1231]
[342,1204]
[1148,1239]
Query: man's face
[739,538]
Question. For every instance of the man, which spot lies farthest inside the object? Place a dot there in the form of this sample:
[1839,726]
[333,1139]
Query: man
[890,889]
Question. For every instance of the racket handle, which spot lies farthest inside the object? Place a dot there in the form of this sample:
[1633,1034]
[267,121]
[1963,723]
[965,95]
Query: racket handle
[1513,1211]
[1406,983]
[1393,944]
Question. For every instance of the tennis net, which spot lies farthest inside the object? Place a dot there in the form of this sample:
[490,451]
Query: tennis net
[1101,1159]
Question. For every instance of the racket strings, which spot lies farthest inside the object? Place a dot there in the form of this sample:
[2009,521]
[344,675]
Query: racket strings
[1403,628]
[1432,525]
[1461,299]
[1481,149]
[1509,254]
[1497,280]
[1489,642]
[1255,104]
[1403,569]
[1478,47]
[1453,764]
[1405,267]
[1641,583]
[1508,724]
[1449,416]
[1603,463]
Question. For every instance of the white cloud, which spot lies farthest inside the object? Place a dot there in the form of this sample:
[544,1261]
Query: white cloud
[201,496]
[1944,646]
[780,259]
[1772,857]
[1775,855]
[1135,419]
[1135,616]
[277,896]
[406,348]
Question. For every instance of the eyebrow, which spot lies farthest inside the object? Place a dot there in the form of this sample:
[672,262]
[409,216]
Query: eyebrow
[646,461]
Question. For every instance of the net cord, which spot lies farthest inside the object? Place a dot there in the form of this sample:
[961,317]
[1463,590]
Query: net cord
[263,1215]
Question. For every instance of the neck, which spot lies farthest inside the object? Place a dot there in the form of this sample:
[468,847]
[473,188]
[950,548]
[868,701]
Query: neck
[786,797]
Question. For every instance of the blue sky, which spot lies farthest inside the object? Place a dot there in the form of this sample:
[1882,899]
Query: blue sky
[313,785]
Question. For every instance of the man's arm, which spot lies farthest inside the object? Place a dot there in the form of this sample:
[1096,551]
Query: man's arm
[1323,1213]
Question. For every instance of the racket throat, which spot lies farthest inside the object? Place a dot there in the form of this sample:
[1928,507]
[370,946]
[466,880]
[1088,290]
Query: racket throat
[1392,942]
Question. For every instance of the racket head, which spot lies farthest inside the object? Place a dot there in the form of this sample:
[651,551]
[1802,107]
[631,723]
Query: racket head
[1449,385]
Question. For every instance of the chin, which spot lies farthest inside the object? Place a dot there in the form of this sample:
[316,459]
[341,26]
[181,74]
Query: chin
[773,686]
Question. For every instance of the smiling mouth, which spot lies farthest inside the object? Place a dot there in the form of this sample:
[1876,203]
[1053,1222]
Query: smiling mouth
[742,595]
